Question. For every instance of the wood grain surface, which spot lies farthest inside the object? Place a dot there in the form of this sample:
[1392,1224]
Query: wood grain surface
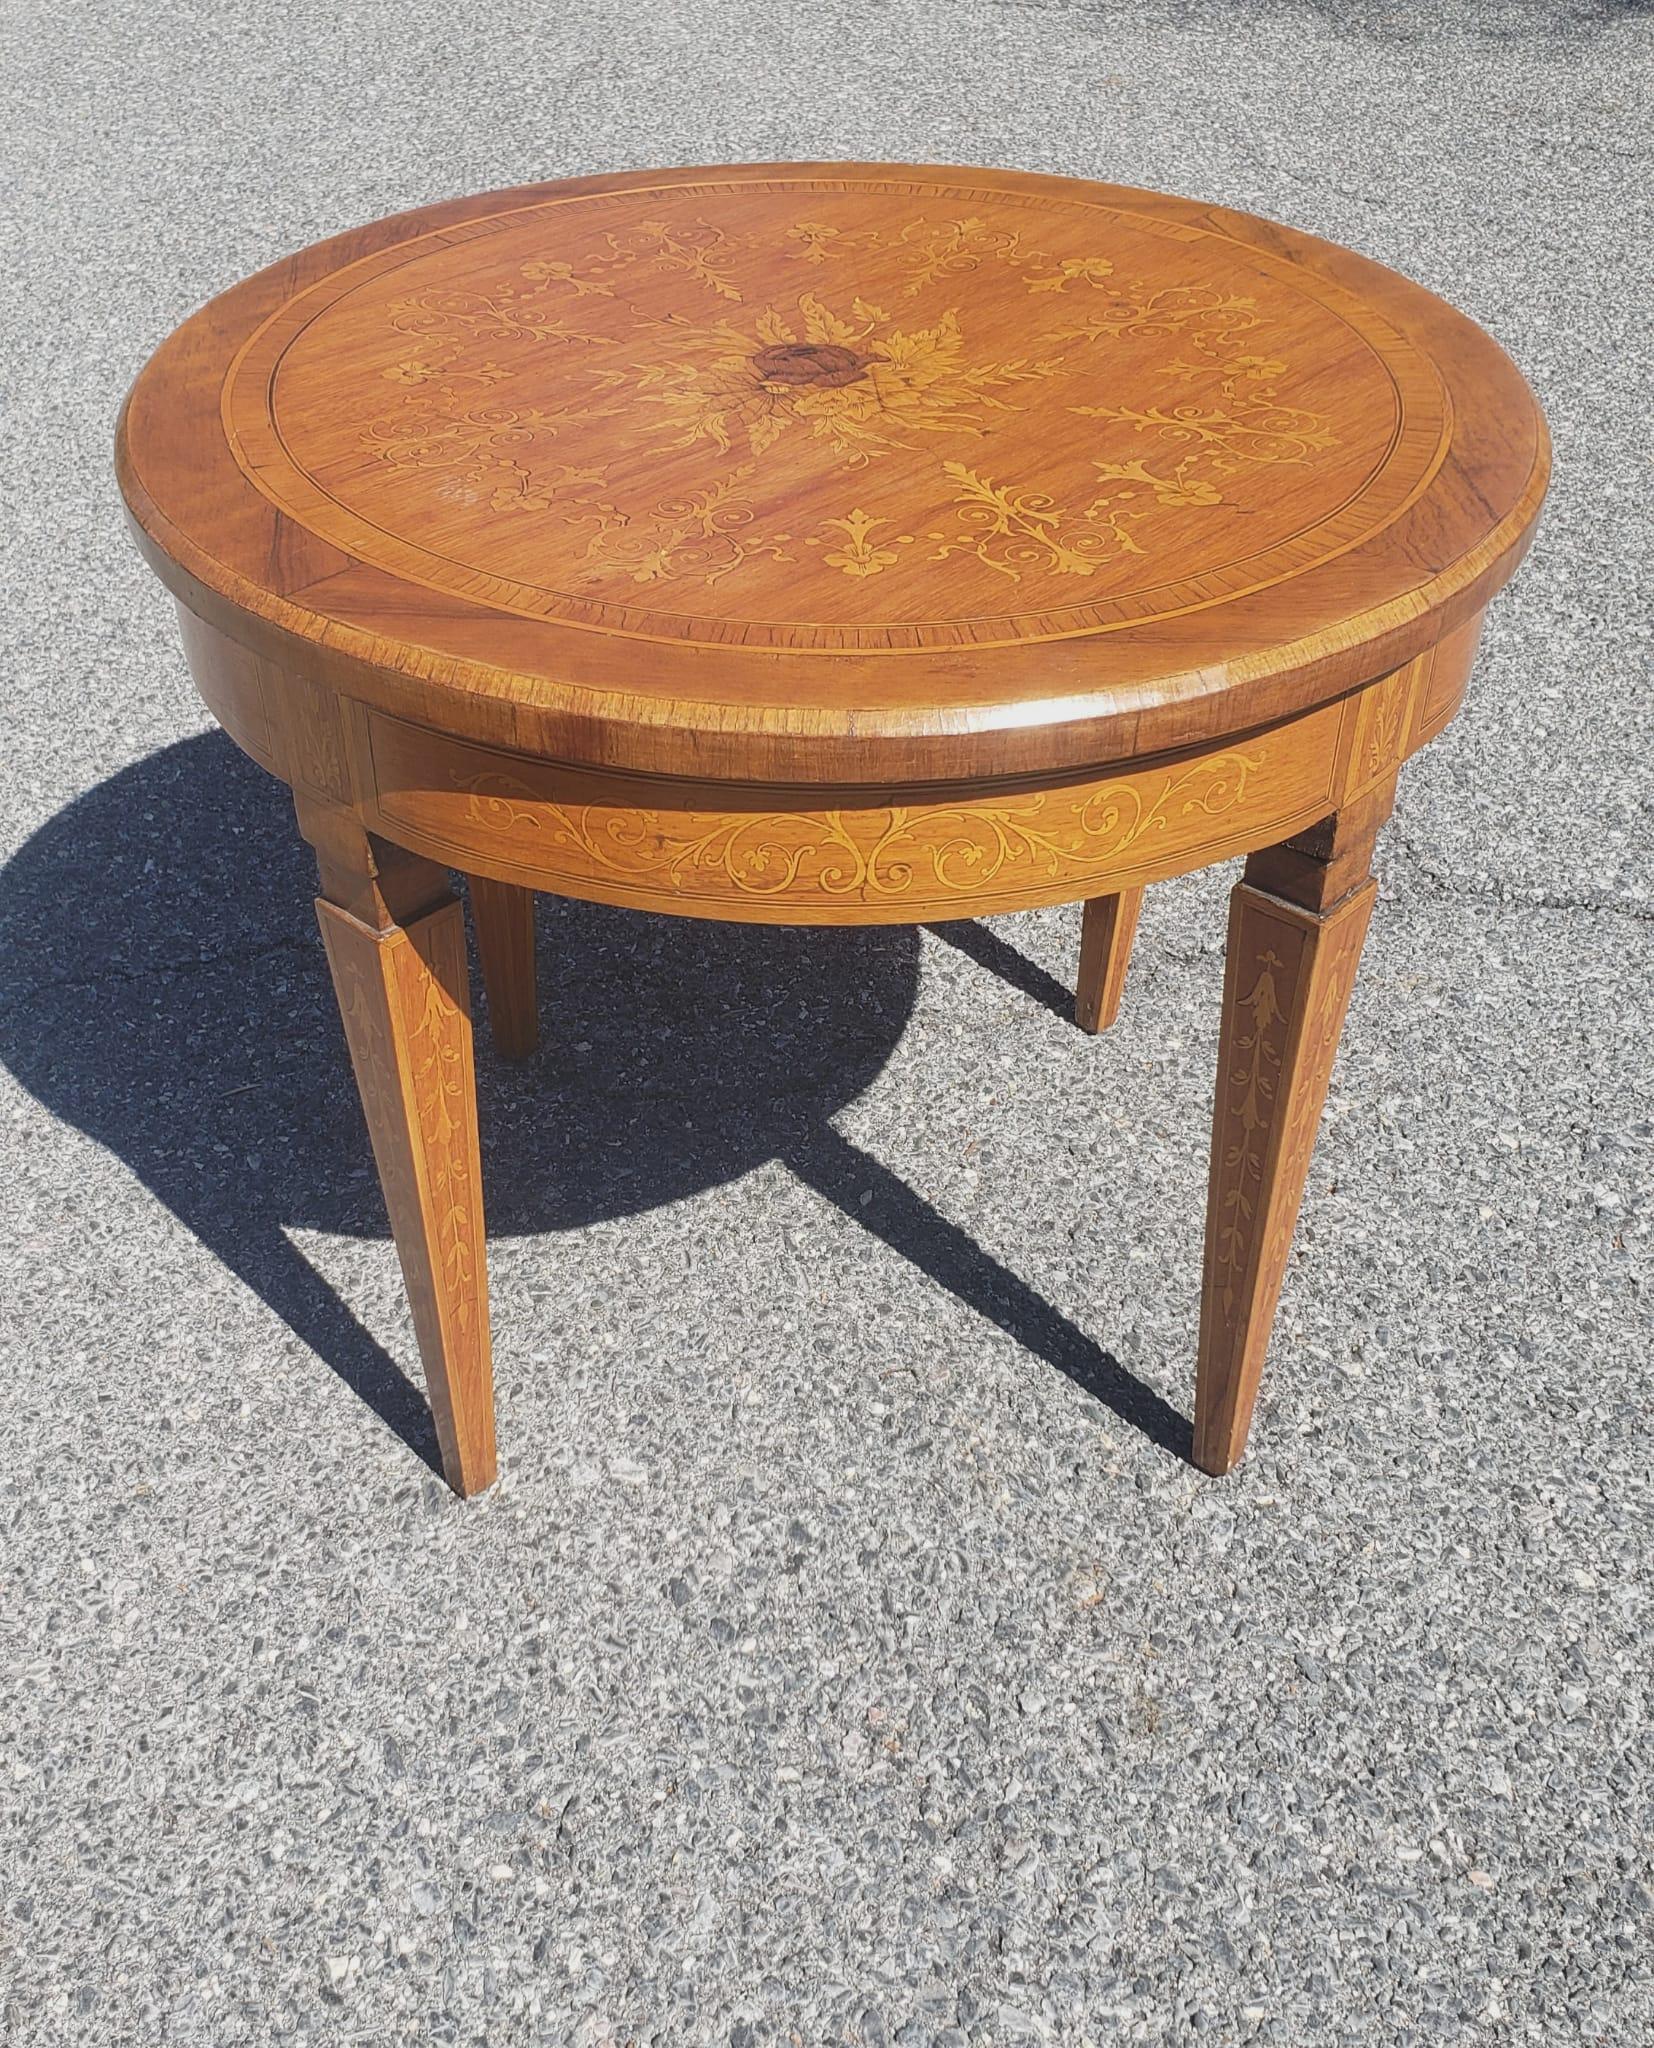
[822,473]
[796,853]
[503,920]
[403,1000]
[1107,929]
[831,544]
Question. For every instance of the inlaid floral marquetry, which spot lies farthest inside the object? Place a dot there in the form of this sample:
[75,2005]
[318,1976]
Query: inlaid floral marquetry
[832,544]
[685,412]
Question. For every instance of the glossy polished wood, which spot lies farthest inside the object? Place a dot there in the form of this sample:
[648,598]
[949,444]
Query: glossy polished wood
[1297,924]
[835,544]
[396,945]
[327,457]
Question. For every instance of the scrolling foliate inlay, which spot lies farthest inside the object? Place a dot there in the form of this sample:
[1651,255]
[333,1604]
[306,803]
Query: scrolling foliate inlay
[858,382]
[372,973]
[1249,1083]
[1294,967]
[872,852]
[806,413]
[857,378]
[436,1042]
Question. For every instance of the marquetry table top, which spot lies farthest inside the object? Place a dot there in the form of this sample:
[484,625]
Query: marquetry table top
[831,544]
[834,471]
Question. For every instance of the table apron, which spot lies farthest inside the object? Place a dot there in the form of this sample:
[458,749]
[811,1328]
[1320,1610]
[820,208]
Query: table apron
[797,855]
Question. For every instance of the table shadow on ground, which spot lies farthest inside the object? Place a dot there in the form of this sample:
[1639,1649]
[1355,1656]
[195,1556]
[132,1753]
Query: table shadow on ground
[167,995]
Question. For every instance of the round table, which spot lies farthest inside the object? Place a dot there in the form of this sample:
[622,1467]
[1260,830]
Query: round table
[830,543]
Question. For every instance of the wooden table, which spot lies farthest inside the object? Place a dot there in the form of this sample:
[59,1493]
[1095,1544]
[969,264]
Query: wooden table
[827,543]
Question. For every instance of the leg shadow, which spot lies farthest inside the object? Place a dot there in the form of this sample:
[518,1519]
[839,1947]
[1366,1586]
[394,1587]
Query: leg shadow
[842,1173]
[167,994]
[165,991]
[988,950]
[258,1252]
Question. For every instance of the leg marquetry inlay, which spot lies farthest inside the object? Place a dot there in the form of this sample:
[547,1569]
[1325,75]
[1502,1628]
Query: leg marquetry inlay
[1290,968]
[396,947]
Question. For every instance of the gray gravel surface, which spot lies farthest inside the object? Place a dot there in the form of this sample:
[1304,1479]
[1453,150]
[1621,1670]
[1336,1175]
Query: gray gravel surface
[846,1655]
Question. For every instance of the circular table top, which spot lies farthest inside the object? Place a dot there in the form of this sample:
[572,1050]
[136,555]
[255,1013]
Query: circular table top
[833,472]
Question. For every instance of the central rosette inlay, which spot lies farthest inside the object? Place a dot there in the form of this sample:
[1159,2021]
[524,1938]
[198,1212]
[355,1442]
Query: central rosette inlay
[920,398]
[809,362]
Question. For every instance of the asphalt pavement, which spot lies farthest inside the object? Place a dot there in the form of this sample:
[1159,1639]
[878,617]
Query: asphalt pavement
[847,1654]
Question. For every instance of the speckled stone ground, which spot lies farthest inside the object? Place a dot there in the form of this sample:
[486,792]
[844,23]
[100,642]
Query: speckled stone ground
[846,1655]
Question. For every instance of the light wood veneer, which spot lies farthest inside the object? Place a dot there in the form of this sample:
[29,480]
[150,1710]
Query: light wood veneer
[831,544]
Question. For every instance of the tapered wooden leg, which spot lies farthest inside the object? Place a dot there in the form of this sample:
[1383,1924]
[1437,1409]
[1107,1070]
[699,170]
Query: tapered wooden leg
[1109,926]
[1297,922]
[395,941]
[503,918]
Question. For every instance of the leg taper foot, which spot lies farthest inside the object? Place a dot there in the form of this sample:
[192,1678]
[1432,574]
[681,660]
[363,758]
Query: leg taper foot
[1296,928]
[1109,926]
[395,940]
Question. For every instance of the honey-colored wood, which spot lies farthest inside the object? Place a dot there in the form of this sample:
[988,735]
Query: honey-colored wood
[542,469]
[395,942]
[1107,928]
[503,919]
[891,854]
[1297,923]
[829,544]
